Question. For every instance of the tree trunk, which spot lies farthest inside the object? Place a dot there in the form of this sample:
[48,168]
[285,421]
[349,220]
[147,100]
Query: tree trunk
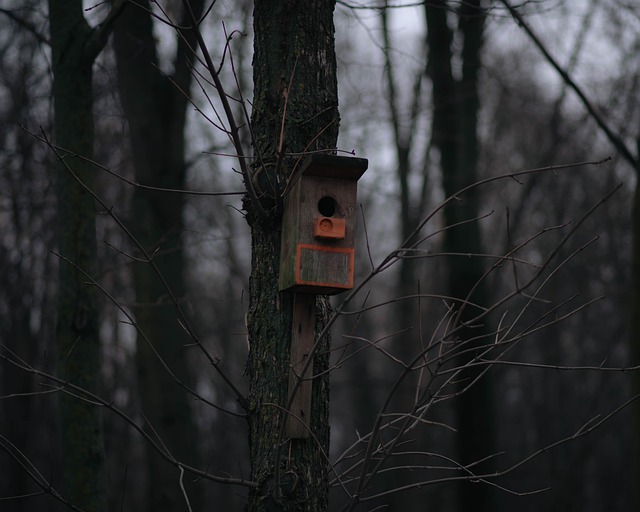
[83,459]
[634,321]
[294,72]
[155,108]
[456,106]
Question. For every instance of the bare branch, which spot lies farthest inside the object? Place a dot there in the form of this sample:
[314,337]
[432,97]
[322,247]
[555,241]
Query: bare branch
[617,142]
[23,461]
[233,128]
[10,13]
[78,391]
[71,154]
[100,34]
[182,318]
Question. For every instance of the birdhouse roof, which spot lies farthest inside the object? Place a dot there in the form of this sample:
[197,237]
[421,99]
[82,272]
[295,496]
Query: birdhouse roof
[333,166]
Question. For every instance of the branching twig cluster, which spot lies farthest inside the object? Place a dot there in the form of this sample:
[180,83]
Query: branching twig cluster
[441,375]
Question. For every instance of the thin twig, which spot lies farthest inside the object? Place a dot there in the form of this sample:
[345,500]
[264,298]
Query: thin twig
[617,142]
[233,128]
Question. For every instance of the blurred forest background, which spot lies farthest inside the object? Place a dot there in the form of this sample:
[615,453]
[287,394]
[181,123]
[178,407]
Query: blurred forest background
[409,74]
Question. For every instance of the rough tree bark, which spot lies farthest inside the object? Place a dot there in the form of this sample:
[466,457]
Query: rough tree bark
[74,49]
[295,108]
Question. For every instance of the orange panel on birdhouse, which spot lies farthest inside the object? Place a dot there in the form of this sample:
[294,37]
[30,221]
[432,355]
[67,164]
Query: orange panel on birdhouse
[324,267]
[325,227]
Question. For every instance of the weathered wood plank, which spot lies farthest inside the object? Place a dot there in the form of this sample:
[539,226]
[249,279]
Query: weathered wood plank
[302,340]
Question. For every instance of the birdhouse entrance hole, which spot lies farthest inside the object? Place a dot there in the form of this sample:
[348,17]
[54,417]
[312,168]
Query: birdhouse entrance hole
[327,206]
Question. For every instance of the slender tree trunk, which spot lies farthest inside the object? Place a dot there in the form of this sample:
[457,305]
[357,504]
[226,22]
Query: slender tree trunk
[155,107]
[22,342]
[635,319]
[294,67]
[406,313]
[456,106]
[83,459]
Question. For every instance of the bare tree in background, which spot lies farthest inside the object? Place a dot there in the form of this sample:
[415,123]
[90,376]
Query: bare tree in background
[27,268]
[623,143]
[75,47]
[293,114]
[155,106]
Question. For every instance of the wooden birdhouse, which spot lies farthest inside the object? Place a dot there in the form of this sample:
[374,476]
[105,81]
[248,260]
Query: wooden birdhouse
[318,227]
